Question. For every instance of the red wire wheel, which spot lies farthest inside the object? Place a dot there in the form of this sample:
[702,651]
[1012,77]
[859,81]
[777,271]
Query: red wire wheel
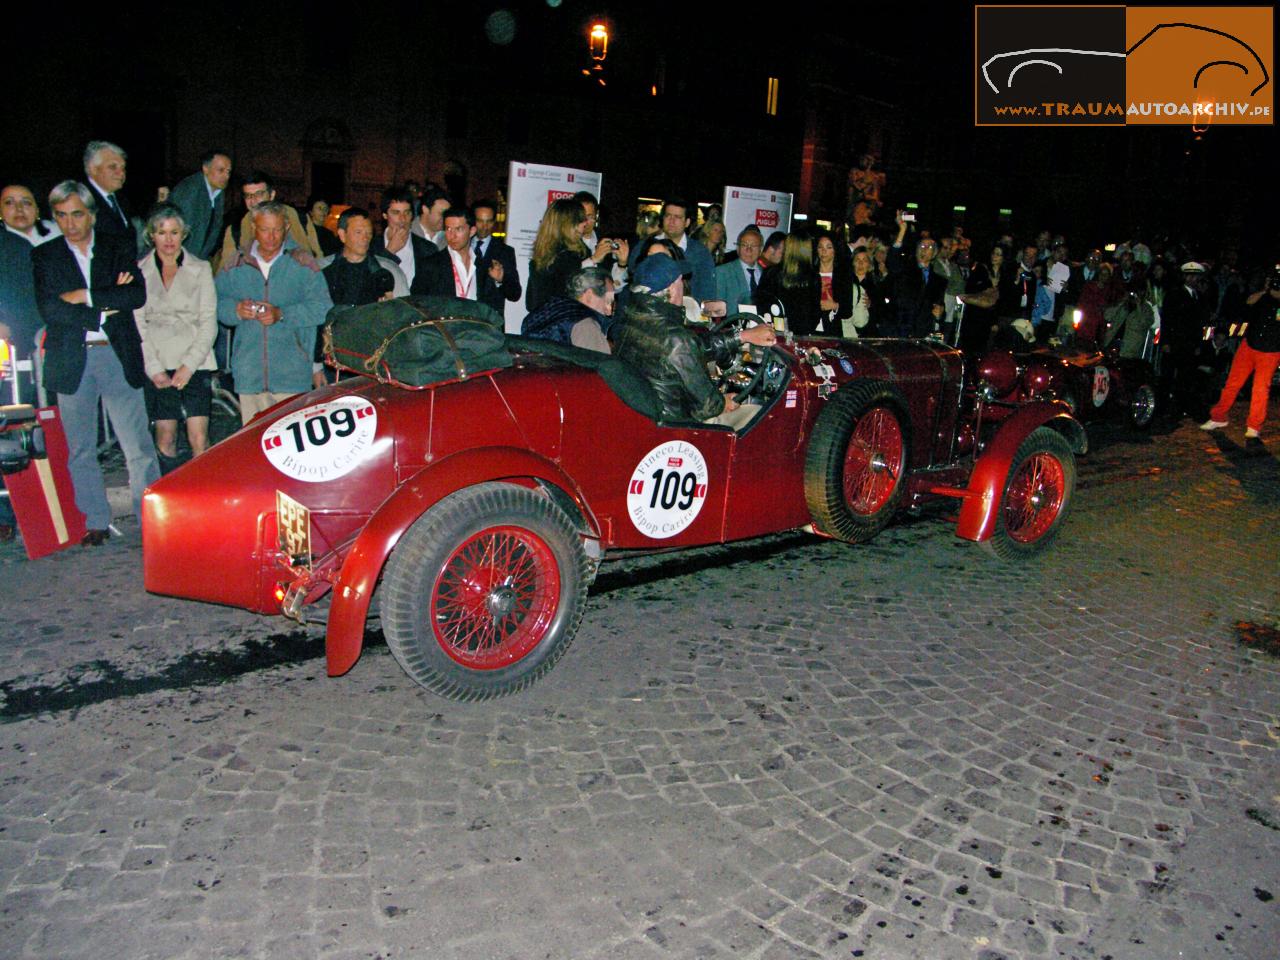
[495,597]
[856,462]
[485,591]
[1037,492]
[873,461]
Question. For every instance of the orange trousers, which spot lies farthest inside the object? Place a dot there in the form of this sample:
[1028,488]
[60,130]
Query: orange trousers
[1263,367]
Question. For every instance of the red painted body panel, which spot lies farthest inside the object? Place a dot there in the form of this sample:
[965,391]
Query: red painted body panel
[208,529]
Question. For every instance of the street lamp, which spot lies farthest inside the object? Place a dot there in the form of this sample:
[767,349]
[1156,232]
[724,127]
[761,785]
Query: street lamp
[598,42]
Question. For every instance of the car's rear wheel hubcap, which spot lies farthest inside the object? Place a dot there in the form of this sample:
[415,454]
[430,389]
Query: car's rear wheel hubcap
[495,597]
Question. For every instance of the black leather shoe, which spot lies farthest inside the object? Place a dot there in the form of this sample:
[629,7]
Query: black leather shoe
[95,538]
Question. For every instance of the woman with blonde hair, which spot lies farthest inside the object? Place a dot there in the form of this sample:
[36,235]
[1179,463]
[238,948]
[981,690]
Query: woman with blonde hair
[795,285]
[712,236]
[178,325]
[558,252]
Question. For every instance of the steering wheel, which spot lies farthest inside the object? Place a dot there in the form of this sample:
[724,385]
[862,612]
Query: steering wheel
[768,361]
[738,321]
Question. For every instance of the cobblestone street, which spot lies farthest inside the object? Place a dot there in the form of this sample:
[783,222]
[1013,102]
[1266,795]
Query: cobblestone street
[786,748]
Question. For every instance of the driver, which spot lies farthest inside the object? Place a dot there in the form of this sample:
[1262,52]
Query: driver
[653,338]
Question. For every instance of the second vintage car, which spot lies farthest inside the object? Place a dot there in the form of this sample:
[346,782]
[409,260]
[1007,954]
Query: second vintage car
[480,507]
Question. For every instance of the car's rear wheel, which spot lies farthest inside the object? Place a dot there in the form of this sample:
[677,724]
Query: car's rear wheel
[1037,492]
[484,593]
[856,462]
[1142,407]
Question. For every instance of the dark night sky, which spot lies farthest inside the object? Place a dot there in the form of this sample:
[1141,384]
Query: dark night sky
[919,57]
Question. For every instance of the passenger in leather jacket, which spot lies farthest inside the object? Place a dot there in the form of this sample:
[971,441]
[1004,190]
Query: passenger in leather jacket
[653,338]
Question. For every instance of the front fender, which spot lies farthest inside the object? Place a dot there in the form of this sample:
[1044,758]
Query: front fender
[354,585]
[986,483]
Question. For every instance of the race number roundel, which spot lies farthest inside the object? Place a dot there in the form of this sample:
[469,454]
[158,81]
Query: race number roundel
[668,489]
[322,442]
[1101,385]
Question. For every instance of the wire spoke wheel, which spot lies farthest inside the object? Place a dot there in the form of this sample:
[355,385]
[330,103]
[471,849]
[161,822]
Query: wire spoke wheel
[484,593]
[873,461]
[1037,492]
[1035,498]
[856,463]
[1142,407]
[495,597]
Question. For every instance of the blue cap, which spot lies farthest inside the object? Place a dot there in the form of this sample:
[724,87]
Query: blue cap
[658,272]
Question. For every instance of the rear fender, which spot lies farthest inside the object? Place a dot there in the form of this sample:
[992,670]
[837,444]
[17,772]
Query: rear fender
[986,483]
[355,583]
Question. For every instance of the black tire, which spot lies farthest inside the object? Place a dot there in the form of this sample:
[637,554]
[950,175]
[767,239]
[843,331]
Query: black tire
[856,464]
[1037,492]
[1142,406]
[484,593]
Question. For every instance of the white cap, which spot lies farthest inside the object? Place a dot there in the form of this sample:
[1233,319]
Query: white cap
[1192,267]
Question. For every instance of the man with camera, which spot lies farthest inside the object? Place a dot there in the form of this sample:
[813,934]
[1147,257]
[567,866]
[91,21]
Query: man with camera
[916,290]
[275,296]
[1258,355]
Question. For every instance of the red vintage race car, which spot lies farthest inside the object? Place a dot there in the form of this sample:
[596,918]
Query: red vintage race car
[481,507]
[1097,386]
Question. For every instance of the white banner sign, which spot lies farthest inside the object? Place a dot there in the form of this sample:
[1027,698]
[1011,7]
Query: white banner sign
[769,210]
[531,187]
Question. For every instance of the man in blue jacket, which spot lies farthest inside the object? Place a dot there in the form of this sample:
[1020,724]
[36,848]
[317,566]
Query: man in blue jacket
[273,296]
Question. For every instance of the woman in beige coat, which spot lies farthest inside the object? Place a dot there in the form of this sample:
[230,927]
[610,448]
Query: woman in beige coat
[178,326]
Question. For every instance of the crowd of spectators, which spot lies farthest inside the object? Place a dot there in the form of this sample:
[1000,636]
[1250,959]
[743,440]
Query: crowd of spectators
[206,285]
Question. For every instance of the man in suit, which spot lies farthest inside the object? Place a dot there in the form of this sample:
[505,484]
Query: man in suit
[504,283]
[104,165]
[675,226]
[87,287]
[398,242]
[455,271]
[736,281]
[1184,315]
[430,222]
[202,198]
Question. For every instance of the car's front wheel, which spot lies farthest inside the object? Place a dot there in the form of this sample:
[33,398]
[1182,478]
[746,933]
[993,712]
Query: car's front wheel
[1037,492]
[854,474]
[484,593]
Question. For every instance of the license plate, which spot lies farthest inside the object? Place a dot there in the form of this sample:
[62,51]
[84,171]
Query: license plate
[293,530]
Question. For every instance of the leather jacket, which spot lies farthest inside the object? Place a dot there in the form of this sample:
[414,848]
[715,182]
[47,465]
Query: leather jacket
[652,338]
